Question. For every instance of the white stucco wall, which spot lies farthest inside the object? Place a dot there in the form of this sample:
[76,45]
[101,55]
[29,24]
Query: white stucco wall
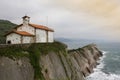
[50,36]
[27,39]
[14,38]
[27,28]
[41,36]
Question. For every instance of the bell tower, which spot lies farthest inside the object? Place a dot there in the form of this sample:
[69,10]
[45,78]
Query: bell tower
[26,20]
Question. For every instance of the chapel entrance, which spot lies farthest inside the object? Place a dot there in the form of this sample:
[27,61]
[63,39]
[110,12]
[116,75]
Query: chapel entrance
[9,42]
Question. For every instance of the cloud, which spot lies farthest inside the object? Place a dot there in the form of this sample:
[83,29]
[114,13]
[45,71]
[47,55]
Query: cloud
[106,13]
[13,8]
[92,19]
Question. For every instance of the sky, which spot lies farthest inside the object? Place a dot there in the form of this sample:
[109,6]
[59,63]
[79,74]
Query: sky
[78,19]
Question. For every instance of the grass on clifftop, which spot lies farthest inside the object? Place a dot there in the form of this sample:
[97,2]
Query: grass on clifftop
[13,52]
[33,52]
[21,50]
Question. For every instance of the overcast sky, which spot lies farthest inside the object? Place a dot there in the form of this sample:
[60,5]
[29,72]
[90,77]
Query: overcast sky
[83,19]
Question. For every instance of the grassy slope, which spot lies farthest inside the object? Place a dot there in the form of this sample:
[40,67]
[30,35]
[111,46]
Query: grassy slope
[33,52]
[5,26]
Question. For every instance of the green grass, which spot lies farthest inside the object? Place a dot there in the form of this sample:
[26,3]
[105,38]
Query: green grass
[34,57]
[13,52]
[54,47]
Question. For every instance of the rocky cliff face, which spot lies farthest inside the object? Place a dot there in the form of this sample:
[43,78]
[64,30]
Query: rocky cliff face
[60,65]
[15,69]
[75,65]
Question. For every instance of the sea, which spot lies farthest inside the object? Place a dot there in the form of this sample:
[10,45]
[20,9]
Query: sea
[109,67]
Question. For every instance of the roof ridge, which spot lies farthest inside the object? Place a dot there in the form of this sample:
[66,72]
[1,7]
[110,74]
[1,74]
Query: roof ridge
[41,27]
[37,26]
[24,33]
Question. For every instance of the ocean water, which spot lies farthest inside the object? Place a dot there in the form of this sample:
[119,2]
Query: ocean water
[109,68]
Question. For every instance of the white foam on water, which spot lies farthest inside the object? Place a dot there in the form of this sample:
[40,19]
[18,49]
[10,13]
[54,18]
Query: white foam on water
[103,76]
[99,74]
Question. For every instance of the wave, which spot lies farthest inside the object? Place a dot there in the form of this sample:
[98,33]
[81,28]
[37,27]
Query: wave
[99,74]
[103,76]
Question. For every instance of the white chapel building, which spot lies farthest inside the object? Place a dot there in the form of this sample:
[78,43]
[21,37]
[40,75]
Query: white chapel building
[29,33]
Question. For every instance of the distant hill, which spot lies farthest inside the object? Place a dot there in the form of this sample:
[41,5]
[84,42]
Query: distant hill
[5,26]
[75,40]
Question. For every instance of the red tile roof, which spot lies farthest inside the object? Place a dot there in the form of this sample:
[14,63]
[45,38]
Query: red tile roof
[37,26]
[41,27]
[23,33]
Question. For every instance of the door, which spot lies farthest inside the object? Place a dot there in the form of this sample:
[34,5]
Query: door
[9,42]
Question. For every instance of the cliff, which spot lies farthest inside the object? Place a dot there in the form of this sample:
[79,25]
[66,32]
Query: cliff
[47,62]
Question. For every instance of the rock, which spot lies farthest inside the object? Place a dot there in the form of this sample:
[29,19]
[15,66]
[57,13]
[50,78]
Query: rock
[63,65]
[10,70]
[76,65]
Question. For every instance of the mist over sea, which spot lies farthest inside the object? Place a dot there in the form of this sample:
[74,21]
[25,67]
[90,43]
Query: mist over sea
[109,68]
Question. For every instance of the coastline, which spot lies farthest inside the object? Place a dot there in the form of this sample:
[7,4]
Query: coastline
[99,74]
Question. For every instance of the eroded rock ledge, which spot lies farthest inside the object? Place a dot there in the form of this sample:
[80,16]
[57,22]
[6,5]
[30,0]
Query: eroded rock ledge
[55,64]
